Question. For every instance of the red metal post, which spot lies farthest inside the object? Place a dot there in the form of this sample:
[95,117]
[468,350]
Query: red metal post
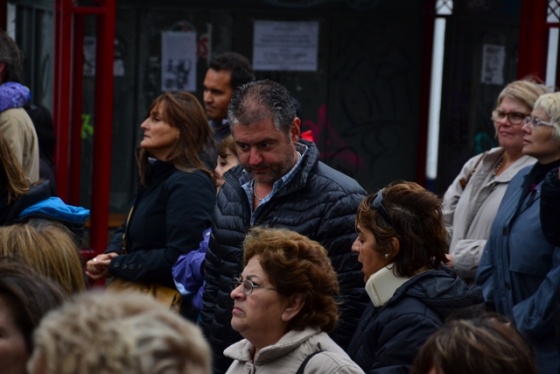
[103,126]
[68,109]
[533,39]
[429,19]
[75,131]
[62,92]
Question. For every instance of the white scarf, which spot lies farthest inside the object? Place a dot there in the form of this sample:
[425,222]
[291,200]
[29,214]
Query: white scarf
[381,285]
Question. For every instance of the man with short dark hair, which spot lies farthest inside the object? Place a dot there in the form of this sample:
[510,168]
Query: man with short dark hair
[280,183]
[15,124]
[226,72]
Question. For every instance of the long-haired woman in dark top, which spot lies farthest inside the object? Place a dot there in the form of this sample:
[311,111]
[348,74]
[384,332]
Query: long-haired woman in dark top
[174,202]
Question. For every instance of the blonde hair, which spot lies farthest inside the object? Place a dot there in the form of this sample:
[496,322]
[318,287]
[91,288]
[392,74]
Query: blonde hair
[104,332]
[550,103]
[12,177]
[47,249]
[526,91]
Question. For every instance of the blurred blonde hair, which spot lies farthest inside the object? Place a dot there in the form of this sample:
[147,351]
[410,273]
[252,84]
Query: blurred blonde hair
[48,249]
[550,103]
[104,332]
[12,177]
[526,91]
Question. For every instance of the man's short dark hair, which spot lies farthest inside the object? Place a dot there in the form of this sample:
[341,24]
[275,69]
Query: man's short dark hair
[10,55]
[239,66]
[259,100]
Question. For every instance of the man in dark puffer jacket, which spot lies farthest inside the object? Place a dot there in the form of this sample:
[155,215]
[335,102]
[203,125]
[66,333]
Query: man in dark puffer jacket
[280,183]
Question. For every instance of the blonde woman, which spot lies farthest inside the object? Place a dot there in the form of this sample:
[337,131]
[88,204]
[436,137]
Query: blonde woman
[104,332]
[472,200]
[520,270]
[48,249]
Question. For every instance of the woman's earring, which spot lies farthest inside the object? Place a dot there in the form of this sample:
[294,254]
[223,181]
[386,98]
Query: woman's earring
[386,255]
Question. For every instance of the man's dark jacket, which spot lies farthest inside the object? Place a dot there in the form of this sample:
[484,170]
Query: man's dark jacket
[320,203]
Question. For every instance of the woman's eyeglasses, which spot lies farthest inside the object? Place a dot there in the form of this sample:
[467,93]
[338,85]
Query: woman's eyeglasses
[247,285]
[515,118]
[535,122]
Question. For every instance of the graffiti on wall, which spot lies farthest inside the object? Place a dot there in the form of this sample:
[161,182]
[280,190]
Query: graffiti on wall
[342,153]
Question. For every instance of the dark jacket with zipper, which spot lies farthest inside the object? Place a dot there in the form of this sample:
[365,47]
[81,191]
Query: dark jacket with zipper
[170,214]
[389,337]
[320,203]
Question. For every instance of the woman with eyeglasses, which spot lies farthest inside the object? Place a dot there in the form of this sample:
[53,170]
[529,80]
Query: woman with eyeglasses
[284,307]
[471,201]
[401,244]
[520,270]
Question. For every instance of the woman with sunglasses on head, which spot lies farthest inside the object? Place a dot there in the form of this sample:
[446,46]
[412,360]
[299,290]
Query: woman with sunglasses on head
[472,200]
[519,269]
[284,307]
[401,244]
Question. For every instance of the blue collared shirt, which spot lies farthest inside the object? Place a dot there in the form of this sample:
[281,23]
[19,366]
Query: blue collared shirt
[278,185]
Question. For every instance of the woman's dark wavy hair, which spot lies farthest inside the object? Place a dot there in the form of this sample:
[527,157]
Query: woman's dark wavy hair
[418,225]
[295,265]
[30,296]
[486,344]
[183,111]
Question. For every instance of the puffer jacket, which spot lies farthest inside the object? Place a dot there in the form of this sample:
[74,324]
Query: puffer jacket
[389,337]
[320,203]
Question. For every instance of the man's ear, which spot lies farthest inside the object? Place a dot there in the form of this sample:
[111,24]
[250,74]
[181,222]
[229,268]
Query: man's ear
[295,130]
[293,307]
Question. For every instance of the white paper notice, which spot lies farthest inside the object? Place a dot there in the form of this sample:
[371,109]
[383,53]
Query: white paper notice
[285,46]
[493,59]
[178,61]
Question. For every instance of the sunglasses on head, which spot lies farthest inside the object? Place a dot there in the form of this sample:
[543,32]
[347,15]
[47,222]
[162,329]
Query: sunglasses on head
[377,204]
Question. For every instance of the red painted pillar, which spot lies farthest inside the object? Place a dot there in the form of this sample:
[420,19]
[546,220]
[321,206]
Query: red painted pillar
[69,44]
[63,93]
[533,39]
[101,178]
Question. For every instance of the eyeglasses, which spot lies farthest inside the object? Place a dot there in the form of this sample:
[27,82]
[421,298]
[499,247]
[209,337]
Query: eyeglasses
[377,204]
[247,285]
[515,118]
[535,122]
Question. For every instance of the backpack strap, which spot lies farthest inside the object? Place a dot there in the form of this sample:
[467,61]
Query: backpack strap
[304,363]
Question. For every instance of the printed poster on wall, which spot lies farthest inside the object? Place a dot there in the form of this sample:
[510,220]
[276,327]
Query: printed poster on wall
[285,45]
[178,61]
[493,59]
